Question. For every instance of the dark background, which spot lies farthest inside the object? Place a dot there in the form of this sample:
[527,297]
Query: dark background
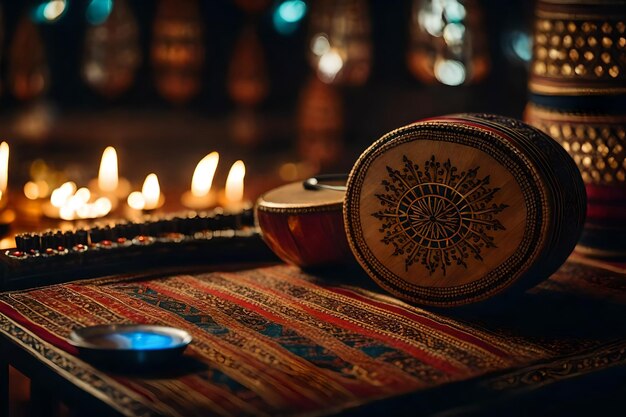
[84,122]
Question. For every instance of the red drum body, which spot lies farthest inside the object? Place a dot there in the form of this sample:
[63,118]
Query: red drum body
[304,227]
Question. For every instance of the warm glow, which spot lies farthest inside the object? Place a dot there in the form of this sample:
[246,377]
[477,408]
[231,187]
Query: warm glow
[320,44]
[54,9]
[44,188]
[108,175]
[329,65]
[234,182]
[31,190]
[4,166]
[136,201]
[66,212]
[103,205]
[74,204]
[203,175]
[61,195]
[82,195]
[151,192]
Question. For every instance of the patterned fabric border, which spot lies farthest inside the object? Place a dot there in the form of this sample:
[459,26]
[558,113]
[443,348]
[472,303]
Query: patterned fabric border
[77,372]
[277,341]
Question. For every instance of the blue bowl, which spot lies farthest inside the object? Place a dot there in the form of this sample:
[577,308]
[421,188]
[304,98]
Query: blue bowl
[129,346]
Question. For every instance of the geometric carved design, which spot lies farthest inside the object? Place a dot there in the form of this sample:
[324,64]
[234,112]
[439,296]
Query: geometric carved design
[596,142]
[436,216]
[598,150]
[579,49]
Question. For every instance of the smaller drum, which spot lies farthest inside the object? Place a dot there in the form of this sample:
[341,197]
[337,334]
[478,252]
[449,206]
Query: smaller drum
[302,222]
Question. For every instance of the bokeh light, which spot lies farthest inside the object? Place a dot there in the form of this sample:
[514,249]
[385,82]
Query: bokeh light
[288,15]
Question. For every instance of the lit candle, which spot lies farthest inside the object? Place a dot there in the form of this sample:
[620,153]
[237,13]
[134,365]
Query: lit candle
[107,174]
[232,199]
[152,192]
[4,173]
[6,216]
[69,203]
[61,195]
[136,201]
[200,196]
[149,198]
[109,183]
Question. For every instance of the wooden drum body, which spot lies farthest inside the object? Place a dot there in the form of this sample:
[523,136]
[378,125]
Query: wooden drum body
[453,210]
[304,227]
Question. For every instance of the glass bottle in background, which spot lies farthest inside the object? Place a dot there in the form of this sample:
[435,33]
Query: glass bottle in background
[247,78]
[447,42]
[178,52]
[28,80]
[320,123]
[28,74]
[112,53]
[2,28]
[340,48]
[248,82]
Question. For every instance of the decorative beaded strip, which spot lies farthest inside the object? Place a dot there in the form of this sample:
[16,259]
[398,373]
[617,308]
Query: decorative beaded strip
[596,143]
[573,56]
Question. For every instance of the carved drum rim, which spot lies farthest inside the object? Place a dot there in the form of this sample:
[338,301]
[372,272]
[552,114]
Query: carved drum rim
[506,152]
[264,204]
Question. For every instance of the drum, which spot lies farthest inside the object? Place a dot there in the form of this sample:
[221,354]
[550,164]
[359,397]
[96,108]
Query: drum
[444,212]
[453,210]
[303,224]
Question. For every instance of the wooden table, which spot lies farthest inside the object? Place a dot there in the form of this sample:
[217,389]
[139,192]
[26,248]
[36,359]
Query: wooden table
[571,361]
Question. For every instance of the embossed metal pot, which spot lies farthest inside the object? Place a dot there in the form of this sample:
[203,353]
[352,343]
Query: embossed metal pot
[578,96]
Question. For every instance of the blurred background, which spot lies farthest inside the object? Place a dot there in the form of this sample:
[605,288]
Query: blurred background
[307,83]
[290,87]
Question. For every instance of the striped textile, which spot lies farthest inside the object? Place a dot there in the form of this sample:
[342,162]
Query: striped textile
[276,341]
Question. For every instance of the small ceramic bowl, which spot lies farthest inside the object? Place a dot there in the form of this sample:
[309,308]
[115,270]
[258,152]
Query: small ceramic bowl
[135,346]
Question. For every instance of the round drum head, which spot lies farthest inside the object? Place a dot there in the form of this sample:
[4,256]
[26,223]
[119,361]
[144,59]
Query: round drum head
[445,213]
[302,222]
[295,198]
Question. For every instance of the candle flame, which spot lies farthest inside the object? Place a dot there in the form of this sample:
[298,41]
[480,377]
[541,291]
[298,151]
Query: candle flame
[103,205]
[136,201]
[66,212]
[4,166]
[108,175]
[234,182]
[203,175]
[74,204]
[83,195]
[151,192]
[61,195]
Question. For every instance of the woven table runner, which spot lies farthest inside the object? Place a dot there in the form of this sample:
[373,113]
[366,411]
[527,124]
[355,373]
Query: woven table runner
[276,341]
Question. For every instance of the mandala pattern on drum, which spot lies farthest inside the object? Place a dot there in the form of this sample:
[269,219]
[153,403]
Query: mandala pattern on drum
[436,216]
